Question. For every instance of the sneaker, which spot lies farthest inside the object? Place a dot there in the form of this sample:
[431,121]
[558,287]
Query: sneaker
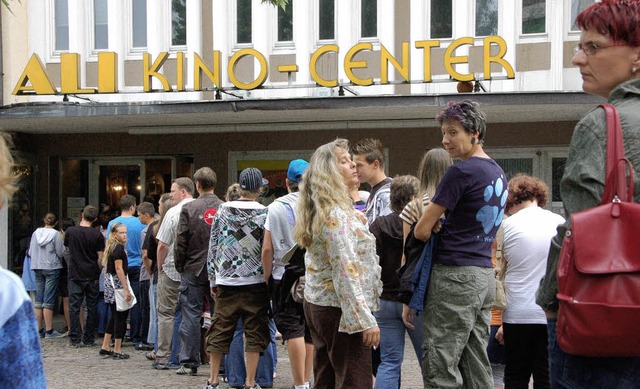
[160,365]
[211,386]
[144,346]
[52,335]
[183,370]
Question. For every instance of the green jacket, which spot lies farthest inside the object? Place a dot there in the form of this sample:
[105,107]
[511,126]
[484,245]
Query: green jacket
[582,184]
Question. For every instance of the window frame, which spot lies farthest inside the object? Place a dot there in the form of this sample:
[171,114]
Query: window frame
[176,48]
[316,24]
[542,158]
[474,21]
[284,45]
[537,37]
[92,36]
[569,34]
[233,27]
[53,55]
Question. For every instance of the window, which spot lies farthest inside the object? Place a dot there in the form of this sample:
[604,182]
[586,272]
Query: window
[101,25]
[243,18]
[441,19]
[178,22]
[61,15]
[557,170]
[369,18]
[285,23]
[533,16]
[513,166]
[327,19]
[578,6]
[486,17]
[139,23]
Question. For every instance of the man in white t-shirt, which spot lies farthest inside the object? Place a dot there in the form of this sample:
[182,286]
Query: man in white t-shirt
[278,239]
[168,277]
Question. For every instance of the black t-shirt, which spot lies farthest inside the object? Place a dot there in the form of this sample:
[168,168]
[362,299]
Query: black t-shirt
[118,253]
[84,243]
[151,245]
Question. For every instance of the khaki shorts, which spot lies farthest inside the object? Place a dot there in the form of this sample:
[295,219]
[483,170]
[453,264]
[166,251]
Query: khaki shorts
[247,302]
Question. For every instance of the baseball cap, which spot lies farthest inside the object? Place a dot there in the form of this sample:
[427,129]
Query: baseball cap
[297,168]
[251,179]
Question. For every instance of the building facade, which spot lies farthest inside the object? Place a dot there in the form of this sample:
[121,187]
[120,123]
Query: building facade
[107,97]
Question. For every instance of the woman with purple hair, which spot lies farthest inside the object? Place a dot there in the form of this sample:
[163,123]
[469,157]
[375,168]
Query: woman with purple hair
[472,197]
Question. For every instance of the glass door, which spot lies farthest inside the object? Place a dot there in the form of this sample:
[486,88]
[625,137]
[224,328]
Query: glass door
[109,180]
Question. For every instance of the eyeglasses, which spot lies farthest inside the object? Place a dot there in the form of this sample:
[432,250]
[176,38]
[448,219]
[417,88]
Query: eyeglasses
[591,48]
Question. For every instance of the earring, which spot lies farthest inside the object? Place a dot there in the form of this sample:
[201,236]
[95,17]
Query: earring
[634,70]
[473,141]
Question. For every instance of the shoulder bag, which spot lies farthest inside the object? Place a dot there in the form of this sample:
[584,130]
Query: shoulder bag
[500,302]
[121,303]
[599,265]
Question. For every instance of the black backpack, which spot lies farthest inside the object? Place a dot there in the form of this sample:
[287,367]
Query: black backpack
[282,299]
[413,248]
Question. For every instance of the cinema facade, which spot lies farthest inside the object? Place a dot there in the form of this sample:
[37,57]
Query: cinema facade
[105,97]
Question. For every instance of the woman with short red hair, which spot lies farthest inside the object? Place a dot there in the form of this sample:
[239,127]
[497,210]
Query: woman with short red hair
[608,56]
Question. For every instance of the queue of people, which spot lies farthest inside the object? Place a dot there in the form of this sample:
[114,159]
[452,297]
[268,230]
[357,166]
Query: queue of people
[219,261]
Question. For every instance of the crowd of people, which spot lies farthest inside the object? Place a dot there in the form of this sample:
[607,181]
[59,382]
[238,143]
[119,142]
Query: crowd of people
[203,271]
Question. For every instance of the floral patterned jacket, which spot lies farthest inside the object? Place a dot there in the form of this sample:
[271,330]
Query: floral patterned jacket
[343,271]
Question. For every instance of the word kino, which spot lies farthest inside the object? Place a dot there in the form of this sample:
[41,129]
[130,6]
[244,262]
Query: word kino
[34,78]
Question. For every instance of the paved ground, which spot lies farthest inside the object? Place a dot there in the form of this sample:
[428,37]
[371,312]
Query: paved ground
[68,368]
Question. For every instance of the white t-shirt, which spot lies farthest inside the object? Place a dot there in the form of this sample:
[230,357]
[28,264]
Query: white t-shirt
[280,222]
[167,235]
[527,237]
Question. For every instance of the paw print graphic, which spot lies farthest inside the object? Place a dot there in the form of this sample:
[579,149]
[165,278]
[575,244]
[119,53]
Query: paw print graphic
[495,195]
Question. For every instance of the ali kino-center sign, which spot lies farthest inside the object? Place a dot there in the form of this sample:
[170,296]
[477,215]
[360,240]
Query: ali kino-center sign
[34,78]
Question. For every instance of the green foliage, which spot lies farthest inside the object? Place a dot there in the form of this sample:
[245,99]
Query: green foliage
[278,3]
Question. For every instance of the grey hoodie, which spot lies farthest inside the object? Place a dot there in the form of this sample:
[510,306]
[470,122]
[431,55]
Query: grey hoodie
[46,249]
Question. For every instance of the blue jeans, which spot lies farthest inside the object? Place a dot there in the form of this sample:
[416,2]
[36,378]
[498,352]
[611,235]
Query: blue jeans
[571,371]
[193,290]
[153,316]
[234,361]
[135,314]
[392,331]
[174,358]
[104,311]
[495,352]
[46,288]
[79,291]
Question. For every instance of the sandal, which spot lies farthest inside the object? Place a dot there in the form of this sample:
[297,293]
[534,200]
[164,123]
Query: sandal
[104,352]
[150,355]
[120,356]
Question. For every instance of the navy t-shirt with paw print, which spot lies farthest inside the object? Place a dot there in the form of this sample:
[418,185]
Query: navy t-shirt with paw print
[474,193]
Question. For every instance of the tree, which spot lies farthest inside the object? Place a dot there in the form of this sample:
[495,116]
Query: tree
[278,3]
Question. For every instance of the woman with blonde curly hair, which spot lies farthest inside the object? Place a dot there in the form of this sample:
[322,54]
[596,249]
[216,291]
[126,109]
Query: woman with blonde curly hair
[343,283]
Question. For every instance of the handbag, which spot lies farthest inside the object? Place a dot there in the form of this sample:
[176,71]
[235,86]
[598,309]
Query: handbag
[500,302]
[413,250]
[599,265]
[121,303]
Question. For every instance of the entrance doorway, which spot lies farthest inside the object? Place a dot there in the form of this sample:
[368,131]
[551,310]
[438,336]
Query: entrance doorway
[104,181]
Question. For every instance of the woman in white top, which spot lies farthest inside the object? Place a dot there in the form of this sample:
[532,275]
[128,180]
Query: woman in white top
[527,236]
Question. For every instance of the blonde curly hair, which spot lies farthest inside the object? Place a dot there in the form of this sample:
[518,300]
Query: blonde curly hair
[323,188]
[7,179]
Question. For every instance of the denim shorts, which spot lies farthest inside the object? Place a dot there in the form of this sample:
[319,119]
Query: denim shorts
[46,288]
